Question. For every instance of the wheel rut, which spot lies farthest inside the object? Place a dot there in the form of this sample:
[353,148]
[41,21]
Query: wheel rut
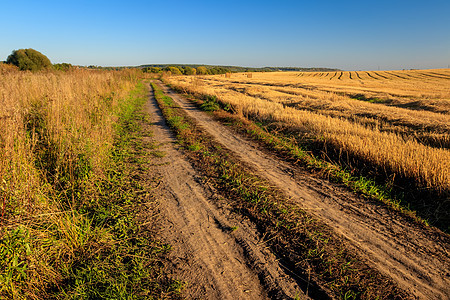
[219,254]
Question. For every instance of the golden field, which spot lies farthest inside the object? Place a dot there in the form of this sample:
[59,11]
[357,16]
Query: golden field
[397,122]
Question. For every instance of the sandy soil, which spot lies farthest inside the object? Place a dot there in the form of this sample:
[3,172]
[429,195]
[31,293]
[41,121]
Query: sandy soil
[414,256]
[218,254]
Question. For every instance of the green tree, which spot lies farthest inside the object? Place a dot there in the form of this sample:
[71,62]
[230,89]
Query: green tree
[63,67]
[202,70]
[29,59]
[173,70]
[218,70]
[151,70]
[188,71]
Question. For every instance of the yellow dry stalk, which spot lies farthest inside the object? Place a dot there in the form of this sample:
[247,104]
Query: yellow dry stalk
[71,110]
[309,103]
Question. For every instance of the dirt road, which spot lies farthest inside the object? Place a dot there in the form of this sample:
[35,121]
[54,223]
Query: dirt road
[416,257]
[220,255]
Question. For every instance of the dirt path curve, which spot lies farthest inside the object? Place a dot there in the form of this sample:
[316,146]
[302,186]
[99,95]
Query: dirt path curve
[417,258]
[220,256]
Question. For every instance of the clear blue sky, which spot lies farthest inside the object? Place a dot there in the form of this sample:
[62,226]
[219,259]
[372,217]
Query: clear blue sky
[349,35]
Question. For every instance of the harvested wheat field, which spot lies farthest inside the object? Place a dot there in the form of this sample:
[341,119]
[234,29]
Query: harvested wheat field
[390,126]
[290,185]
[221,152]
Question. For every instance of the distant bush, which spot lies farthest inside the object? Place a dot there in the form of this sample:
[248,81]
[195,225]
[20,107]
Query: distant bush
[202,71]
[63,67]
[173,70]
[189,71]
[29,59]
[151,70]
[218,70]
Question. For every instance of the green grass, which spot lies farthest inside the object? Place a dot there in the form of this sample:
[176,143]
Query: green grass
[159,154]
[234,228]
[94,245]
[210,104]
[306,245]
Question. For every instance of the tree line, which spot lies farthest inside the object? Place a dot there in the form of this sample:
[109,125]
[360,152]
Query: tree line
[33,60]
[187,70]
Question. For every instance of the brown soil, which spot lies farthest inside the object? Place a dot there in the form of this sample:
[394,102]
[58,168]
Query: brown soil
[221,263]
[218,253]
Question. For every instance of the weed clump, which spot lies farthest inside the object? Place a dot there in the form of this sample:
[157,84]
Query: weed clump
[210,104]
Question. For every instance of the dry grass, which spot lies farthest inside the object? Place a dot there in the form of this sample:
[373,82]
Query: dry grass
[397,121]
[52,126]
[56,137]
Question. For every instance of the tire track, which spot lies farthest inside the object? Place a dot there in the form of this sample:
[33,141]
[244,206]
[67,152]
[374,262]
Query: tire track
[216,261]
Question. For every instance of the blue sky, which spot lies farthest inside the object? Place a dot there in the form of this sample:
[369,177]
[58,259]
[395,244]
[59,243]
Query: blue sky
[350,35]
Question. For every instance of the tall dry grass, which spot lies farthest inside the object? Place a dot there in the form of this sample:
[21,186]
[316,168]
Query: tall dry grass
[56,136]
[55,130]
[393,151]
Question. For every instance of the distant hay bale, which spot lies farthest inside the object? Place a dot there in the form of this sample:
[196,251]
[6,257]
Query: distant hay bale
[228,75]
[249,75]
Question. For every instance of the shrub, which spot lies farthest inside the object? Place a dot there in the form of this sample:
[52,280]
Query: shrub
[29,59]
[202,70]
[151,70]
[218,70]
[173,70]
[210,104]
[189,71]
[63,67]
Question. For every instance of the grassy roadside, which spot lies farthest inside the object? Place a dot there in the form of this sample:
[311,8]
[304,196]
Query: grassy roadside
[92,245]
[309,248]
[324,154]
